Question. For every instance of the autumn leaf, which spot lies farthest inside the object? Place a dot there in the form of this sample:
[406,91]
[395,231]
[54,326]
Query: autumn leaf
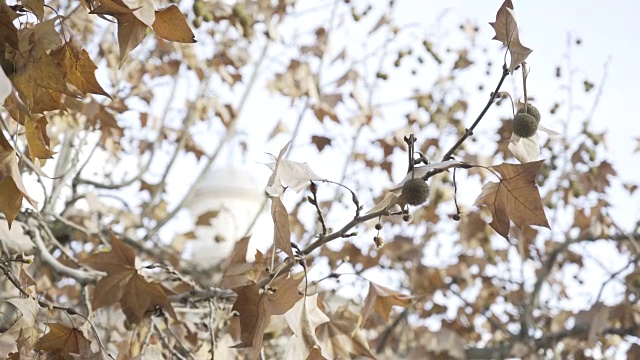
[8,31]
[256,305]
[12,190]
[37,138]
[144,10]
[281,230]
[236,271]
[123,284]
[381,299]
[78,67]
[294,175]
[341,337]
[62,341]
[303,319]
[22,328]
[131,31]
[515,198]
[37,6]
[506,29]
[170,24]
[320,142]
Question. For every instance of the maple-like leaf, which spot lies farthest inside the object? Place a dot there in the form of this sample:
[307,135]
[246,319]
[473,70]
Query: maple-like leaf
[303,319]
[237,271]
[506,29]
[293,174]
[256,306]
[281,229]
[515,198]
[170,24]
[61,341]
[78,67]
[341,337]
[37,138]
[123,284]
[12,190]
[381,299]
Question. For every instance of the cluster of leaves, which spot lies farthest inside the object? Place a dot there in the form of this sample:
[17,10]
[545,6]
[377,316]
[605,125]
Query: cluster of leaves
[311,295]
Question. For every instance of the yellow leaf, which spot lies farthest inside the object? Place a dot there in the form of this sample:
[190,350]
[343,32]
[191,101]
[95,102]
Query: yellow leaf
[78,67]
[171,24]
[130,34]
[12,189]
[37,138]
[515,198]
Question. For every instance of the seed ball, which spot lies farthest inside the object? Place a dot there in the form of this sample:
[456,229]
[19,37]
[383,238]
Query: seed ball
[378,226]
[531,110]
[415,191]
[524,125]
[455,217]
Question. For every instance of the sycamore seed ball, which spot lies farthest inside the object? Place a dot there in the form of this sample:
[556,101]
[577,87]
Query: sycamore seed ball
[524,125]
[531,110]
[415,191]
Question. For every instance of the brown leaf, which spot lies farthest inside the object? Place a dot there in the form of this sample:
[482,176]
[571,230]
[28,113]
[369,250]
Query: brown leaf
[236,271]
[12,190]
[382,299]
[131,31]
[281,230]
[124,284]
[23,327]
[37,138]
[506,29]
[78,67]
[515,198]
[37,6]
[8,31]
[256,306]
[320,142]
[171,24]
[340,337]
[61,341]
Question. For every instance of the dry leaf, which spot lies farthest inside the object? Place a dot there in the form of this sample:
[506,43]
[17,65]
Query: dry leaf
[281,229]
[506,29]
[23,327]
[256,306]
[524,150]
[515,198]
[123,284]
[78,67]
[320,142]
[236,271]
[340,337]
[62,341]
[170,24]
[294,175]
[381,299]
[37,138]
[303,319]
[12,190]
[144,10]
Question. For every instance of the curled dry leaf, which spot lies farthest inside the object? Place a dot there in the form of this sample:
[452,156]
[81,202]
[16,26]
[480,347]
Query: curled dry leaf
[515,198]
[381,299]
[303,319]
[256,305]
[281,229]
[294,175]
[341,338]
[506,29]
[12,190]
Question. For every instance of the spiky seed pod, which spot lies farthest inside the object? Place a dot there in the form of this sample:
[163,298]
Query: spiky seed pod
[531,110]
[415,191]
[524,125]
